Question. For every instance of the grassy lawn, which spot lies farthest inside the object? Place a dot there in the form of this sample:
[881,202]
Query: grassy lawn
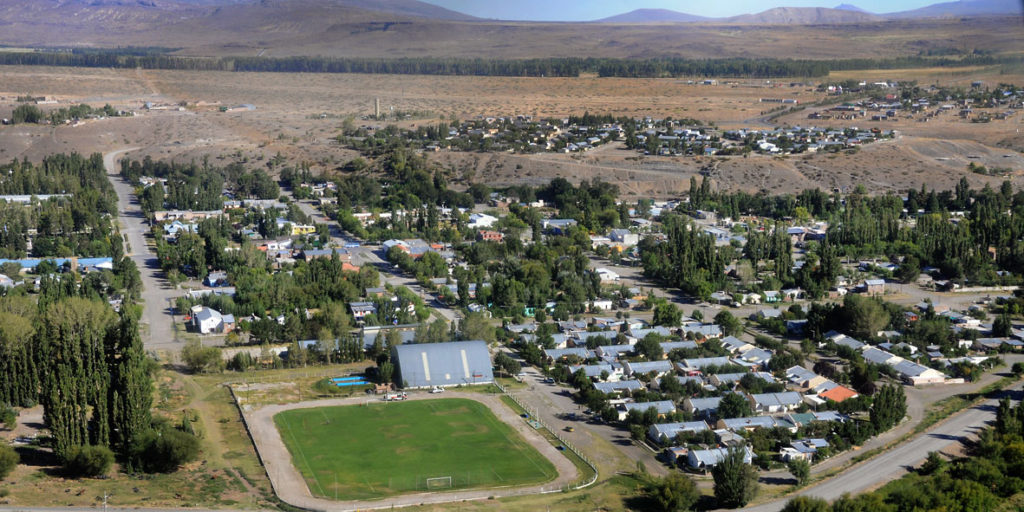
[383,449]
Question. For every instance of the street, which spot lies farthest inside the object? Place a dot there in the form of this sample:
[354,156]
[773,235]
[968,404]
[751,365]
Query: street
[157,297]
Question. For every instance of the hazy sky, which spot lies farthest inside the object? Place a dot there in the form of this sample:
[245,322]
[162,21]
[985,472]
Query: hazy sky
[586,10]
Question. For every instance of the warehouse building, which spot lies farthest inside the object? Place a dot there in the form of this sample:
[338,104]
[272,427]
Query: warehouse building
[425,365]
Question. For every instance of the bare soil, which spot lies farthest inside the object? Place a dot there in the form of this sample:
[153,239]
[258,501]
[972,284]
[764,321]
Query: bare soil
[297,115]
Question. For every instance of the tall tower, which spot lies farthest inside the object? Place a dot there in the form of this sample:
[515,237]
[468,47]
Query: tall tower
[376,108]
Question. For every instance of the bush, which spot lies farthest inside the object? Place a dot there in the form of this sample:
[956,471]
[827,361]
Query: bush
[162,451]
[89,461]
[8,460]
[1018,369]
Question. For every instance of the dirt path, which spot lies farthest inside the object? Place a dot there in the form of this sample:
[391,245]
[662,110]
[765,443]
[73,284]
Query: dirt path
[291,488]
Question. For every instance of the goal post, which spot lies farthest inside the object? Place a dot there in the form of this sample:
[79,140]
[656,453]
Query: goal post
[439,482]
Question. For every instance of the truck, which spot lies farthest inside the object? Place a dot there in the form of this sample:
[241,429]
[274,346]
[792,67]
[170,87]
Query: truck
[395,397]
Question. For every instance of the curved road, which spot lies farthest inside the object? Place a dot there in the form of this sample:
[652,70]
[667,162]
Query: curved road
[893,463]
[158,335]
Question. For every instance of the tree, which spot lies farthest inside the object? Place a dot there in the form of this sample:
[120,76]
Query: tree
[164,450]
[75,378]
[866,316]
[386,371]
[9,459]
[131,389]
[734,405]
[730,324]
[1018,369]
[476,327]
[888,408]
[800,469]
[735,480]
[666,313]
[807,504]
[675,492]
[650,346]
[8,417]
[1002,327]
[89,461]
[200,359]
[933,463]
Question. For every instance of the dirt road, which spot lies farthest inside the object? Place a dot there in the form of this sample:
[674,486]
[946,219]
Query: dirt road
[291,488]
[158,333]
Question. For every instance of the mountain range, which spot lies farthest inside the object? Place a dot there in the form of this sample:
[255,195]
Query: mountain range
[411,28]
[843,13]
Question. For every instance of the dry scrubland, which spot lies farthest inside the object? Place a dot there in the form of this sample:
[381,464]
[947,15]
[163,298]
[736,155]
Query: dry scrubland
[288,107]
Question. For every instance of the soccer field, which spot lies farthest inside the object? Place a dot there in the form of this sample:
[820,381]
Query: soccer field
[382,449]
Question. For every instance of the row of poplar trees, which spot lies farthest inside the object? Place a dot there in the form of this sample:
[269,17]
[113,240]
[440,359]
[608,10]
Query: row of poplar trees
[83,362]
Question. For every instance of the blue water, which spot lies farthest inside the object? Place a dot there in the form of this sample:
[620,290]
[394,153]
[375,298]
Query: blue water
[351,383]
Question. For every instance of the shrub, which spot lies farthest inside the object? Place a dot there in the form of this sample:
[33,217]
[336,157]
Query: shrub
[89,461]
[8,460]
[162,451]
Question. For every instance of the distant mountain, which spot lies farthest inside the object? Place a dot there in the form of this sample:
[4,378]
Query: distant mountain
[850,7]
[652,16]
[804,16]
[962,8]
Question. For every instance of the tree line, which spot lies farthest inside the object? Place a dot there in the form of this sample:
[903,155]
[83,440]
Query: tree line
[549,67]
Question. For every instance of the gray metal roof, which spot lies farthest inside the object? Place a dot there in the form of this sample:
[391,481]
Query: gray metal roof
[612,387]
[443,364]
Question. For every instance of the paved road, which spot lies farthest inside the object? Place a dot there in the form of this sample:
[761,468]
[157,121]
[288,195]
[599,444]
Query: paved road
[893,463]
[157,297]
[292,489]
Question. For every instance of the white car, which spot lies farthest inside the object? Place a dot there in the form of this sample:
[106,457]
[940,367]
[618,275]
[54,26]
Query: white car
[437,389]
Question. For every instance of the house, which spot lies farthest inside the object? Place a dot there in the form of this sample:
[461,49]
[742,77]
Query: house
[481,220]
[702,406]
[6,281]
[874,286]
[645,367]
[707,459]
[601,305]
[838,394]
[485,235]
[613,352]
[557,226]
[729,379]
[662,406]
[747,424]
[607,276]
[216,279]
[776,402]
[210,321]
[804,449]
[312,254]
[595,371]
[426,365]
[624,236]
[666,432]
[693,366]
[557,354]
[361,309]
[614,388]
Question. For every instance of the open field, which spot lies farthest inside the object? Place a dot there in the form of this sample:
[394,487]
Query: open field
[297,115]
[365,452]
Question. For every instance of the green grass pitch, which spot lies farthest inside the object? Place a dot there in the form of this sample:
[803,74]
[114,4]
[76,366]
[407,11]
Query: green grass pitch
[382,449]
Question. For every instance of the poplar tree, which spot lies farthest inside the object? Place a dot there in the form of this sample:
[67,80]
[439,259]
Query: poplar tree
[131,389]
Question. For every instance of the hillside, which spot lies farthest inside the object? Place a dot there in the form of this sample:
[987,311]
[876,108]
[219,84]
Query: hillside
[962,8]
[805,16]
[407,28]
[652,16]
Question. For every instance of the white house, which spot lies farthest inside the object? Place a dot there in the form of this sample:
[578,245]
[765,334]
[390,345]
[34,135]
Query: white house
[209,321]
[481,220]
